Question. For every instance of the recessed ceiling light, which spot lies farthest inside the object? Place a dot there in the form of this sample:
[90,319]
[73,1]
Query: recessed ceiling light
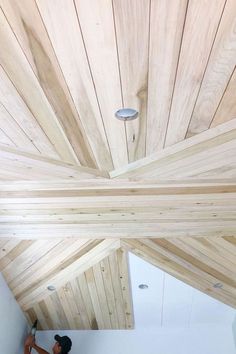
[218,286]
[126,114]
[51,288]
[143,286]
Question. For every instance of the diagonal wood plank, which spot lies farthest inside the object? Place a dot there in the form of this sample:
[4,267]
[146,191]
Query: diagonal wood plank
[63,28]
[178,263]
[15,106]
[200,149]
[219,70]
[198,37]
[30,89]
[19,165]
[90,254]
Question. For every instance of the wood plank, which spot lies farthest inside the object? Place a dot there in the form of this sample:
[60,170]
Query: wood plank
[183,270]
[89,255]
[218,73]
[30,90]
[198,38]
[83,318]
[114,268]
[14,132]
[166,28]
[96,16]
[13,252]
[150,166]
[88,306]
[226,109]
[110,294]
[27,25]
[26,166]
[62,25]
[132,35]
[122,257]
[100,288]
[16,107]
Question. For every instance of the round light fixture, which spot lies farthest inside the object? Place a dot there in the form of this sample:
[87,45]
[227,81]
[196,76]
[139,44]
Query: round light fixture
[126,114]
[51,288]
[143,286]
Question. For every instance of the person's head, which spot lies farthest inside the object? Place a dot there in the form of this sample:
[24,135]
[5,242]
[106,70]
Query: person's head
[62,346]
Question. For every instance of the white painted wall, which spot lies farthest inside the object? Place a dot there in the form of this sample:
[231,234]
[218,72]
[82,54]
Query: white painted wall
[234,331]
[199,340]
[13,325]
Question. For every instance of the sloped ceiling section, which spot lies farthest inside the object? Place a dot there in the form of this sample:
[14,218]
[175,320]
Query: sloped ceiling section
[78,188]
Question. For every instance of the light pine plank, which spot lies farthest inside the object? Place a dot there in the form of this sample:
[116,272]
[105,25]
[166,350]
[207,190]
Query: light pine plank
[132,31]
[14,250]
[114,268]
[88,255]
[82,319]
[83,287]
[227,108]
[184,270]
[122,258]
[95,298]
[166,28]
[102,295]
[30,90]
[5,140]
[110,294]
[13,103]
[196,45]
[14,132]
[21,165]
[218,73]
[40,54]
[96,16]
[154,164]
[62,25]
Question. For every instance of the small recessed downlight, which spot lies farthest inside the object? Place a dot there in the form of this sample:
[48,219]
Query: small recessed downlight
[126,114]
[143,286]
[51,288]
[218,286]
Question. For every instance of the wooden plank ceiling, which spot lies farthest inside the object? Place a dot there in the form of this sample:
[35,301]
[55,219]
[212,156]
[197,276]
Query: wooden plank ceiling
[79,189]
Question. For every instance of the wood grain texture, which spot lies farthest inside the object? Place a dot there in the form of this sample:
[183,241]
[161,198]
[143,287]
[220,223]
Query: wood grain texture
[218,73]
[30,90]
[63,28]
[97,298]
[173,257]
[132,31]
[105,71]
[27,25]
[227,108]
[204,152]
[197,41]
[19,112]
[166,29]
[19,165]
[90,210]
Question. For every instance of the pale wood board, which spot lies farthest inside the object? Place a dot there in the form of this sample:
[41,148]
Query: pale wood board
[198,38]
[166,29]
[104,64]
[27,25]
[218,73]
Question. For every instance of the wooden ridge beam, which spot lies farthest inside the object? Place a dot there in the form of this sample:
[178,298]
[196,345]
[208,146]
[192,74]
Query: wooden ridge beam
[114,208]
